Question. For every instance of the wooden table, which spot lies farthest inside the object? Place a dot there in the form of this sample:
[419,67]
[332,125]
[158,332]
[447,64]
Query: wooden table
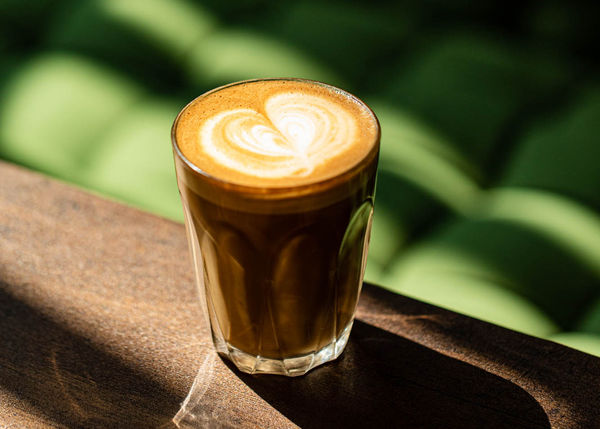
[100,327]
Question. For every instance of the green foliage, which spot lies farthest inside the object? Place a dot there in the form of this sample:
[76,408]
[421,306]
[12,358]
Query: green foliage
[133,151]
[476,294]
[228,56]
[509,255]
[590,321]
[470,88]
[54,110]
[563,153]
[349,36]
[489,182]
[579,340]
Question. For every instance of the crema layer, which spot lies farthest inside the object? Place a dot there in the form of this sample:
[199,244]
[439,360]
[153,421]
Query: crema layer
[276,133]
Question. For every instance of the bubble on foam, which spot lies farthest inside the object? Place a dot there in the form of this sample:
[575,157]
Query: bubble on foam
[298,133]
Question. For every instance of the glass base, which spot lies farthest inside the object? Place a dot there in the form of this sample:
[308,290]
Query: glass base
[293,366]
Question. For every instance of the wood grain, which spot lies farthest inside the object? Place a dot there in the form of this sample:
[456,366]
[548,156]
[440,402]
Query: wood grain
[99,327]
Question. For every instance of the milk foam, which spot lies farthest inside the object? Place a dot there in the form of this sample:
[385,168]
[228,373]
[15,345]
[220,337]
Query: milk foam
[298,132]
[276,133]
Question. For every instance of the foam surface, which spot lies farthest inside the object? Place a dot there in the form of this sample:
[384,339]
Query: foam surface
[276,133]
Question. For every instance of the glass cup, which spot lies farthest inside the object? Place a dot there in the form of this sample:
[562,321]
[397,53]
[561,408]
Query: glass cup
[279,270]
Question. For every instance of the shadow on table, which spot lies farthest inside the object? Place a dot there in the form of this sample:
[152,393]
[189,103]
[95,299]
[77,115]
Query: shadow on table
[67,380]
[384,380]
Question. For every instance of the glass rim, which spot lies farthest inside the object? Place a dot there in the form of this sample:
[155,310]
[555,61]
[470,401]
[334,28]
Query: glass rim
[277,190]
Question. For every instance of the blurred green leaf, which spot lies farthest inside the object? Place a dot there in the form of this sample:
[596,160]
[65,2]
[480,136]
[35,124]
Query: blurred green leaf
[402,212]
[146,39]
[387,236]
[232,55]
[563,154]
[23,22]
[347,36]
[412,150]
[373,271]
[451,279]
[174,24]
[588,343]
[469,87]
[56,108]
[512,255]
[569,225]
[134,162]
[590,320]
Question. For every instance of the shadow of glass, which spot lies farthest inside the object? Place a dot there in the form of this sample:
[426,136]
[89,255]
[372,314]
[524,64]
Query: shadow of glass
[384,380]
[67,379]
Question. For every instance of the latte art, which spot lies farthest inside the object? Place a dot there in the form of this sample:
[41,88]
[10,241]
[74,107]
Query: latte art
[276,133]
[298,133]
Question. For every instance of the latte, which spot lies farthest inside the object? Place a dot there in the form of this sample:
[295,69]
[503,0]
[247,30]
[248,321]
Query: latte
[276,133]
[277,181]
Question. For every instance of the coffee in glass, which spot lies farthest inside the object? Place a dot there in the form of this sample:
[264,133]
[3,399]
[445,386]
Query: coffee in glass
[277,181]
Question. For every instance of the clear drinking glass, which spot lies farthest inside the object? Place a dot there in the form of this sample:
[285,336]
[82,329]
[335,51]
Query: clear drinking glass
[279,270]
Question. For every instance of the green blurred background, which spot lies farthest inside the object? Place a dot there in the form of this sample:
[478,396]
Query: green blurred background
[488,196]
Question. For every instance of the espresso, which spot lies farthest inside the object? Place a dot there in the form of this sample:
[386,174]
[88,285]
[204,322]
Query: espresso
[277,181]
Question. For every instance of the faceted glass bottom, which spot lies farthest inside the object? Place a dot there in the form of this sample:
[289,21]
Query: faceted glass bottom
[291,367]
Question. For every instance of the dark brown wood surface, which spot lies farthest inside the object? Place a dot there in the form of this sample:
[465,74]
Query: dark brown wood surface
[100,327]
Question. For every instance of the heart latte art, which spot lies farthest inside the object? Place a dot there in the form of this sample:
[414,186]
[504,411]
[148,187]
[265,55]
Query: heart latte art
[297,133]
[276,133]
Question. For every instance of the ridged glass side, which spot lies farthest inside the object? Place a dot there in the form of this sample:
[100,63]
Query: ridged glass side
[280,293]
